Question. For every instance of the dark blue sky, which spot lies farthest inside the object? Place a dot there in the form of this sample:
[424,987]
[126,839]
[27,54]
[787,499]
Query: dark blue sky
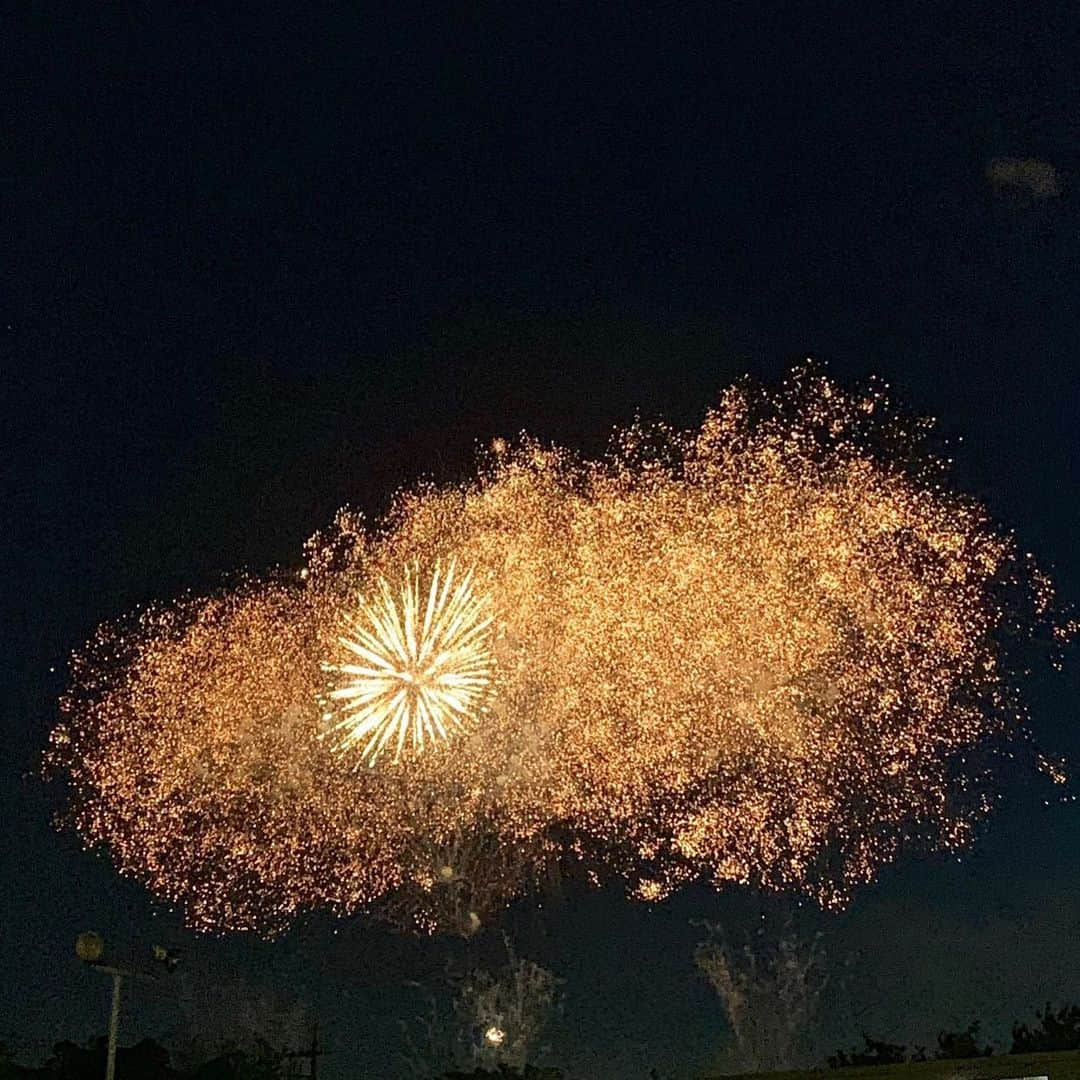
[260,265]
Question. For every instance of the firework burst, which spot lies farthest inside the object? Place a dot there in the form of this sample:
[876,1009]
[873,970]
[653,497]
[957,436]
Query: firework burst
[776,650]
[420,664]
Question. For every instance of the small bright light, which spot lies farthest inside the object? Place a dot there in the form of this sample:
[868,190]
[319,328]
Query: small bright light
[494,1036]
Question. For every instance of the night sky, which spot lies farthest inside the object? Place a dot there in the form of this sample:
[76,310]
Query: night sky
[257,267]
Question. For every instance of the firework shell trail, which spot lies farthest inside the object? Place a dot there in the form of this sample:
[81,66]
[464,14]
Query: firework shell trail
[773,650]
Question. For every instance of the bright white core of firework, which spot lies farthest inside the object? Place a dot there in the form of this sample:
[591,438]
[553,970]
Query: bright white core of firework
[419,664]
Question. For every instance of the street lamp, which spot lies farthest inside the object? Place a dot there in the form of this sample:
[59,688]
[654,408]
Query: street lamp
[90,947]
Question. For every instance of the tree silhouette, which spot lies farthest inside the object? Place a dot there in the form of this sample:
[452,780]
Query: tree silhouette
[1055,1031]
[961,1044]
[146,1060]
[875,1052]
[505,1072]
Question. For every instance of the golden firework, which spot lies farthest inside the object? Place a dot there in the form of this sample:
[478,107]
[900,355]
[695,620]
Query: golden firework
[420,664]
[769,651]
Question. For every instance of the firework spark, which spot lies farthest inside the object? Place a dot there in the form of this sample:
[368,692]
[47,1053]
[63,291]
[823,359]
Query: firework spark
[776,650]
[420,664]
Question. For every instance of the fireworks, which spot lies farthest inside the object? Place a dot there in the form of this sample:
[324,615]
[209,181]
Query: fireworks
[768,651]
[420,665]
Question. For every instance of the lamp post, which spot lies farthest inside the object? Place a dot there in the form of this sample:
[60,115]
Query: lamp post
[114,1020]
[89,947]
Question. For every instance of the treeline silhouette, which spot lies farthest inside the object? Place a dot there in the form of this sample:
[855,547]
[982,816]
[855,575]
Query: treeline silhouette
[146,1060]
[1053,1030]
[149,1060]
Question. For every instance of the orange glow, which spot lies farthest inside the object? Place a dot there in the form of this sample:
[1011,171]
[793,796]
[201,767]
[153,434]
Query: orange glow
[763,651]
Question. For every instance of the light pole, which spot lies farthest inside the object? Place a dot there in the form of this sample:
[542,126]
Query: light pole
[89,947]
[114,1020]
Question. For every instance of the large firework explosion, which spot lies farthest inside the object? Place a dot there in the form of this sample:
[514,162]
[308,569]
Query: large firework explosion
[769,651]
